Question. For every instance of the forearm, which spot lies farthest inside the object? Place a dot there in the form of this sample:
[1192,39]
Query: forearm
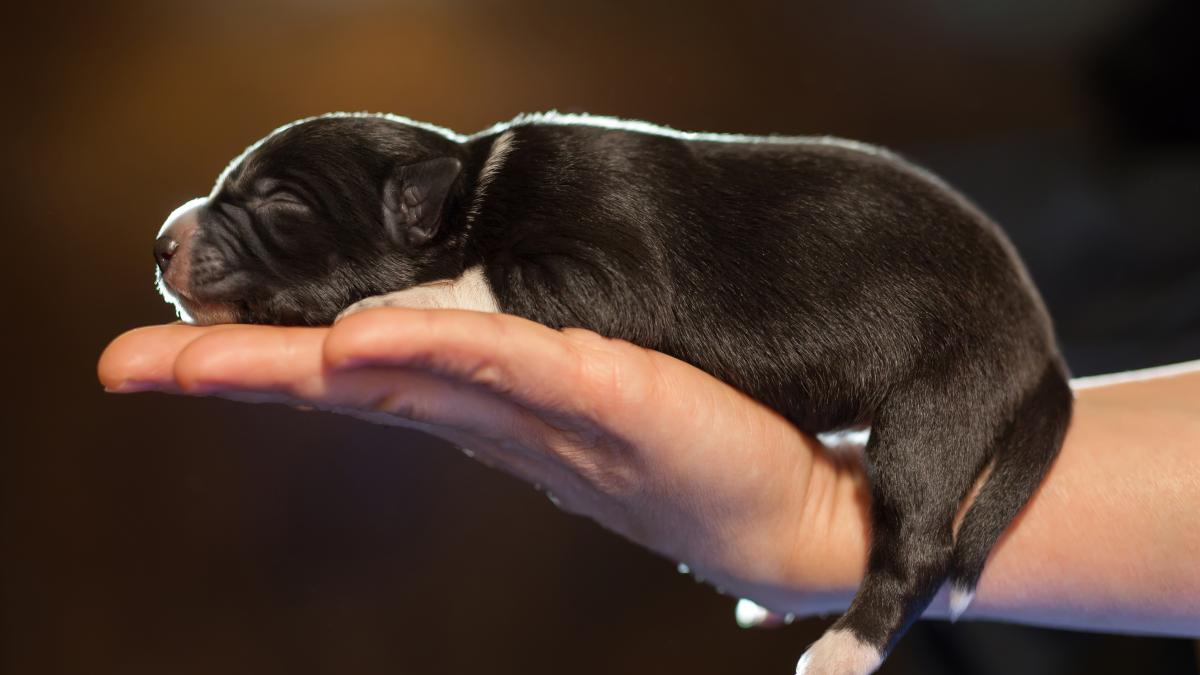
[1111,540]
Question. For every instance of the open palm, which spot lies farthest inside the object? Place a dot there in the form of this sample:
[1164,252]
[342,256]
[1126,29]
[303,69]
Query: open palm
[650,447]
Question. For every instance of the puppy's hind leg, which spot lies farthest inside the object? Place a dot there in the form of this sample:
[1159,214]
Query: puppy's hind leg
[469,291]
[929,441]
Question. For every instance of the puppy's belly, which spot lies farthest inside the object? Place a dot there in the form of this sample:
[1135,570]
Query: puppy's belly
[469,291]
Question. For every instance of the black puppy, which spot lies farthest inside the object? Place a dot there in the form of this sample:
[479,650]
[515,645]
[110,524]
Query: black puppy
[828,279]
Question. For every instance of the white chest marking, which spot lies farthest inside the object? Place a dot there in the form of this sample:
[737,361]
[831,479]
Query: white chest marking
[469,291]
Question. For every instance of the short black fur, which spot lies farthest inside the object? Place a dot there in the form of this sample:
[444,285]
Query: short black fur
[834,282]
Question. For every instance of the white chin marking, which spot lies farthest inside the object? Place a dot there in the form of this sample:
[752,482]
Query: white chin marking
[839,652]
[469,291]
[960,600]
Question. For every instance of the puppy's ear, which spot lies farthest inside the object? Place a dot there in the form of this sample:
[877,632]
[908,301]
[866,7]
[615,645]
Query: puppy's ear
[413,198]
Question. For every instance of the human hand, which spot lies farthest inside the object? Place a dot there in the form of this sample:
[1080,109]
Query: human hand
[648,446]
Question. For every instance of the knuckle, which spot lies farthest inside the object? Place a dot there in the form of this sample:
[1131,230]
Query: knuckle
[615,373]
[349,338]
[197,360]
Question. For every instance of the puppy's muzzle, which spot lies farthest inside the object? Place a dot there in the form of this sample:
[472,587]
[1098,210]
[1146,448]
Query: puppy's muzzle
[173,247]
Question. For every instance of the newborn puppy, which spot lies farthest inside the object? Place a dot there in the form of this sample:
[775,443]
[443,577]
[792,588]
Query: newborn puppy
[828,279]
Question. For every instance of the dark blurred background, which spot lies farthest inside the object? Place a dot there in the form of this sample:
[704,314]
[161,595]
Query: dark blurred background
[151,534]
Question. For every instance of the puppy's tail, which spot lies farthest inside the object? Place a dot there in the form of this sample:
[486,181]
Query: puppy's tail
[1023,455]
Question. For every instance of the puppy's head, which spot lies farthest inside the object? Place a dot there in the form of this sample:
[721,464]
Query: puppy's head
[314,217]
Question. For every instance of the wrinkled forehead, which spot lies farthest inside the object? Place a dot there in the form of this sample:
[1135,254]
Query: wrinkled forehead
[331,149]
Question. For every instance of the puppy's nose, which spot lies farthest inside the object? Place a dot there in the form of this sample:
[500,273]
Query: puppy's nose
[164,249]
[175,235]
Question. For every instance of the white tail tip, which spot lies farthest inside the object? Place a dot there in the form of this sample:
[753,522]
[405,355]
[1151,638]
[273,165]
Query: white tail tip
[960,600]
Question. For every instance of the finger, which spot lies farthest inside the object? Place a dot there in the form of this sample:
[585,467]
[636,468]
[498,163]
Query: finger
[531,364]
[144,358]
[254,358]
[264,364]
[287,365]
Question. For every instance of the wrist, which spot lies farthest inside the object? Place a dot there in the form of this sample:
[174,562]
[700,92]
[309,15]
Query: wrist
[822,550]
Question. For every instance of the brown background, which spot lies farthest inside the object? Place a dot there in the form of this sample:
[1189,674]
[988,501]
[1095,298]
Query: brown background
[159,535]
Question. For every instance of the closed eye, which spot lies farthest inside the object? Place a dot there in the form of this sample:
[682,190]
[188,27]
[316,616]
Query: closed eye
[285,198]
[277,192]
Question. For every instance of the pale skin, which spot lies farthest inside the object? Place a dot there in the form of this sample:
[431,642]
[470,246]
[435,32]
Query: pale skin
[674,460]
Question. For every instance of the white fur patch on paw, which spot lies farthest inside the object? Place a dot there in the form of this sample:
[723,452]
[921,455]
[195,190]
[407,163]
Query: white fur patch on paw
[960,600]
[839,652]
